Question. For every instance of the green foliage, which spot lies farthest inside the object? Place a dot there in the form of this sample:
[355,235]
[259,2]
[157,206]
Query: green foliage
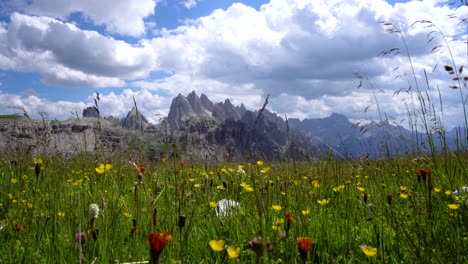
[41,215]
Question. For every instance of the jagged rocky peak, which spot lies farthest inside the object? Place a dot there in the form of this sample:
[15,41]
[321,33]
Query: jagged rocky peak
[90,112]
[135,120]
[197,105]
[180,111]
[226,110]
[206,102]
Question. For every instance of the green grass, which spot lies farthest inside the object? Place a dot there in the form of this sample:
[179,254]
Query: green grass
[53,207]
[12,116]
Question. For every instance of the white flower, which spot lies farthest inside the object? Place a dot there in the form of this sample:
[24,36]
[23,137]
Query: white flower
[93,211]
[225,206]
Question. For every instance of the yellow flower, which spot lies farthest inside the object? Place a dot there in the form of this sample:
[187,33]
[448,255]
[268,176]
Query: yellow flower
[127,215]
[103,168]
[1,205]
[403,188]
[77,182]
[448,192]
[25,177]
[30,205]
[213,204]
[275,228]
[61,214]
[339,188]
[233,252]
[265,170]
[217,245]
[305,212]
[220,187]
[277,207]
[191,180]
[197,185]
[324,201]
[361,189]
[316,184]
[279,221]
[14,180]
[369,251]
[453,206]
[259,162]
[403,195]
[247,187]
[437,190]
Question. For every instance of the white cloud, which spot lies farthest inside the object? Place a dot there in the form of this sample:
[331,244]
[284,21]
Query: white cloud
[190,3]
[68,56]
[301,52]
[125,17]
[33,105]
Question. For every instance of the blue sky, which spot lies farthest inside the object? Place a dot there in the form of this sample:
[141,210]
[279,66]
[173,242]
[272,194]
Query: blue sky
[55,54]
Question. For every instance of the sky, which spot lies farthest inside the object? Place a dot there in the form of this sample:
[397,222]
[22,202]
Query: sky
[312,57]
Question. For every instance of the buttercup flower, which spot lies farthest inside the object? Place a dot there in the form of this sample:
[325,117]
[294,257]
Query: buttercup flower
[277,207]
[233,252]
[323,201]
[217,245]
[305,212]
[213,204]
[453,206]
[369,251]
[103,168]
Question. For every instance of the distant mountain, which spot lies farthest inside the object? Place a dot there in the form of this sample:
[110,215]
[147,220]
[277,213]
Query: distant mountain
[135,120]
[239,132]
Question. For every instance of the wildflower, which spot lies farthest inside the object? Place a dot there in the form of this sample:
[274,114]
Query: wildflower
[316,184]
[37,166]
[127,215]
[265,170]
[437,190]
[361,189]
[246,187]
[197,185]
[323,201]
[365,196]
[77,182]
[182,163]
[404,195]
[403,188]
[256,245]
[277,207]
[217,245]
[369,251]
[18,227]
[304,245]
[275,228]
[448,192]
[289,220]
[158,241]
[305,212]
[103,168]
[93,211]
[225,206]
[220,187]
[141,168]
[25,177]
[453,206]
[14,180]
[61,214]
[233,252]
[259,162]
[339,188]
[389,199]
[80,237]
[213,204]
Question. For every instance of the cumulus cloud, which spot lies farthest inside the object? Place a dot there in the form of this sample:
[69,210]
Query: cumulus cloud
[124,17]
[66,55]
[190,3]
[303,53]
[34,105]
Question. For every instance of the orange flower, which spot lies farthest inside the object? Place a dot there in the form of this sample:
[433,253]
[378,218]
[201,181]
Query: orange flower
[141,168]
[305,244]
[19,228]
[158,241]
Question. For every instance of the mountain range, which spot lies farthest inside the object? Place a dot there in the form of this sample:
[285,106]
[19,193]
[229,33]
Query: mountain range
[196,128]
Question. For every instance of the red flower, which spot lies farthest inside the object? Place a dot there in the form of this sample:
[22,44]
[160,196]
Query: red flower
[19,228]
[389,199]
[304,244]
[158,241]
[289,220]
[182,163]
[141,168]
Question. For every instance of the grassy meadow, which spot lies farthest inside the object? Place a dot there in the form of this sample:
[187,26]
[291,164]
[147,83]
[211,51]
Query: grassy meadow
[389,211]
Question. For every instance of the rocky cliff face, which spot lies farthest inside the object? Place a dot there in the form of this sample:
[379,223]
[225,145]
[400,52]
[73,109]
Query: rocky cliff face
[135,120]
